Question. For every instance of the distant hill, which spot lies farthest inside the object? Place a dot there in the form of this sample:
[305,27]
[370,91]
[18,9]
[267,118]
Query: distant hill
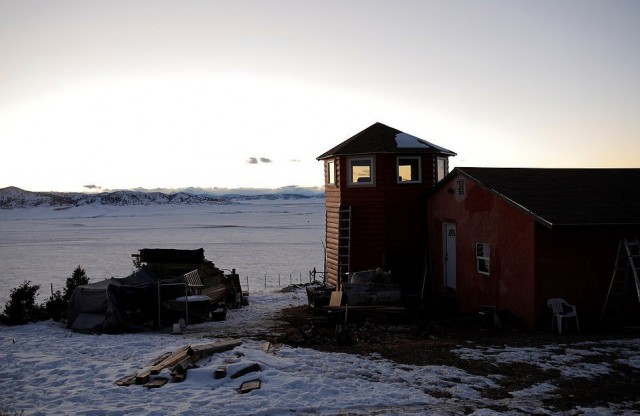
[13,197]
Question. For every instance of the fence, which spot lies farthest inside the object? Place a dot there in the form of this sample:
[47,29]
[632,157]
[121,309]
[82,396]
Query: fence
[280,279]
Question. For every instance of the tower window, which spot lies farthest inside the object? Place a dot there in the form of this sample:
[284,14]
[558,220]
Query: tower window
[409,169]
[331,172]
[361,171]
[442,168]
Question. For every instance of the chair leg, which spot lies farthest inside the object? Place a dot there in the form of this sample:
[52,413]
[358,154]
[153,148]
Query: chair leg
[560,324]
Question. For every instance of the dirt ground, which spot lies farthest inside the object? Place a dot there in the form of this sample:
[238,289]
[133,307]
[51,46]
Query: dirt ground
[407,342]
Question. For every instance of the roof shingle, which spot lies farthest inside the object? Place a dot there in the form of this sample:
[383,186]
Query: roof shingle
[379,138]
[567,196]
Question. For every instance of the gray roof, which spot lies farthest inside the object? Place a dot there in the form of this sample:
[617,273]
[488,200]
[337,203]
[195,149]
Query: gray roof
[379,138]
[565,197]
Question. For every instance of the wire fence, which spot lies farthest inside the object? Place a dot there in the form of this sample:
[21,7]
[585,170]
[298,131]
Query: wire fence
[278,280]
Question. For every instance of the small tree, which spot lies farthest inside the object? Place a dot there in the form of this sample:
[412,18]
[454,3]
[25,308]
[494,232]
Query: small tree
[56,306]
[78,278]
[21,307]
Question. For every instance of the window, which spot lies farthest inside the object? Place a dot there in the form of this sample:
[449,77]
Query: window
[442,168]
[331,172]
[361,171]
[409,170]
[460,186]
[483,254]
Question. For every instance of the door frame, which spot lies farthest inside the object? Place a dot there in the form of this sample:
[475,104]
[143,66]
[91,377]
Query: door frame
[449,234]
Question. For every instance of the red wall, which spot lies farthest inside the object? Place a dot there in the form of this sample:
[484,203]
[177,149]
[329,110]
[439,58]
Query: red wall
[576,263]
[529,262]
[482,217]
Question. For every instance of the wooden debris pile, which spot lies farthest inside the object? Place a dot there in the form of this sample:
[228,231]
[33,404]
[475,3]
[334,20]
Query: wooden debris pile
[180,361]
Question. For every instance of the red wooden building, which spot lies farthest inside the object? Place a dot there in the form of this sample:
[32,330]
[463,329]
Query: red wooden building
[512,238]
[377,183]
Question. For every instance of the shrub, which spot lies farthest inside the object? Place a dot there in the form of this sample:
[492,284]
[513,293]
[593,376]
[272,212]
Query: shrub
[56,307]
[21,307]
[78,278]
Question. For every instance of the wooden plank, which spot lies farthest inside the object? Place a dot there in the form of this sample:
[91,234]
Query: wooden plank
[336,298]
[143,376]
[126,380]
[157,382]
[250,385]
[221,372]
[183,366]
[183,355]
[251,368]
[203,350]
[160,358]
[172,360]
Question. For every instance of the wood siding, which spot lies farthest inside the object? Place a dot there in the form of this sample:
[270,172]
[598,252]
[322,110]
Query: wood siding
[389,224]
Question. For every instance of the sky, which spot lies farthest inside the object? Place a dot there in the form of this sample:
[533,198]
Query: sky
[171,94]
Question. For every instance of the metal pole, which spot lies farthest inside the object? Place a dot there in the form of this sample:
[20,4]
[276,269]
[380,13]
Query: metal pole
[186,301]
[159,309]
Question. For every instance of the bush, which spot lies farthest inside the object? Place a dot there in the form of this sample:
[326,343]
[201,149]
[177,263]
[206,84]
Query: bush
[21,307]
[78,278]
[56,307]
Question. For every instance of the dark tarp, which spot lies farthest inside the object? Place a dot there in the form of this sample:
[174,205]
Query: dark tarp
[114,304]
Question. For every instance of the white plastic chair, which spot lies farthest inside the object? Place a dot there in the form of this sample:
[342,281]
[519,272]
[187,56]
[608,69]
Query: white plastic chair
[562,310]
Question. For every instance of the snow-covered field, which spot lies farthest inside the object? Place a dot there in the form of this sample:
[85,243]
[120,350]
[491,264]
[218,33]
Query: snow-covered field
[257,238]
[47,369]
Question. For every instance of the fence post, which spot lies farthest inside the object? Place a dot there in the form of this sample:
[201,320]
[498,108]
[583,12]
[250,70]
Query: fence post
[247,283]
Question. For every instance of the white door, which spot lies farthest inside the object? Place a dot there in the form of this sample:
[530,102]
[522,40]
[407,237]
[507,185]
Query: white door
[449,254]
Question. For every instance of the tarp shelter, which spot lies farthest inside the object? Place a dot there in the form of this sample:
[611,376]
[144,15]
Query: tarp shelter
[114,304]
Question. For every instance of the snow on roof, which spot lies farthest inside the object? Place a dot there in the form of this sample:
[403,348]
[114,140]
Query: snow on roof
[407,141]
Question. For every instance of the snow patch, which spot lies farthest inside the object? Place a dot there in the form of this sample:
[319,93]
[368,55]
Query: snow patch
[407,141]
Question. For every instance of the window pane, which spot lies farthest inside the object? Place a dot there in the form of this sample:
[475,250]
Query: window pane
[483,258]
[331,173]
[408,169]
[361,171]
[483,266]
[442,168]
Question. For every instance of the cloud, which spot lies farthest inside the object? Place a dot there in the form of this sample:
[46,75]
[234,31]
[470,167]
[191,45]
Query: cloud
[92,186]
[295,161]
[255,160]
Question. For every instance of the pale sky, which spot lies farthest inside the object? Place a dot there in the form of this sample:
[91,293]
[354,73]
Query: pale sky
[123,94]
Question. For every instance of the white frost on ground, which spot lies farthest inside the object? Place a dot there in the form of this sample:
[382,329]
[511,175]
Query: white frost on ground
[48,369]
[567,360]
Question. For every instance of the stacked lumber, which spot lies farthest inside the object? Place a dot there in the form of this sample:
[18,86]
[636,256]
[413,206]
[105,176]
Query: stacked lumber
[178,361]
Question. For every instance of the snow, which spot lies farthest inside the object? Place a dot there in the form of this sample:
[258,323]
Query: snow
[404,140]
[48,369]
[407,141]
